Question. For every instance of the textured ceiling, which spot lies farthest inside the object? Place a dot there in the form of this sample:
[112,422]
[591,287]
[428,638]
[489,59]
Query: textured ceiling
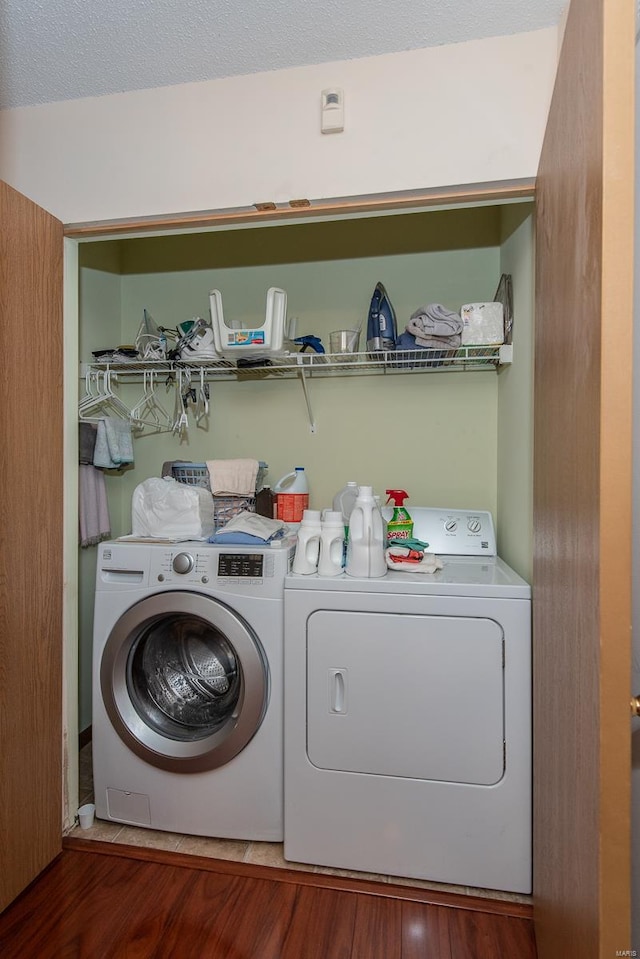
[64,49]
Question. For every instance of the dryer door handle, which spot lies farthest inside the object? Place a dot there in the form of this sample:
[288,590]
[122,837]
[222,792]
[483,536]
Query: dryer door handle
[338,691]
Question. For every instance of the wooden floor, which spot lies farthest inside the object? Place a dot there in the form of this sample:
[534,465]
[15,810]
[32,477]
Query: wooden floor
[100,902]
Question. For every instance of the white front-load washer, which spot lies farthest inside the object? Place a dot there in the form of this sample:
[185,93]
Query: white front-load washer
[408,715]
[188,687]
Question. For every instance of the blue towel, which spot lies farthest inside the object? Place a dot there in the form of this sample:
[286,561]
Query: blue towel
[238,538]
[114,443]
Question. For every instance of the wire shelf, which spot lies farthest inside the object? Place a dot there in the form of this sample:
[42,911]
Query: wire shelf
[465,358]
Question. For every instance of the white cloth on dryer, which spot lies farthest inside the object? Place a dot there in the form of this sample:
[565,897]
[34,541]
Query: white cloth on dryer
[408,560]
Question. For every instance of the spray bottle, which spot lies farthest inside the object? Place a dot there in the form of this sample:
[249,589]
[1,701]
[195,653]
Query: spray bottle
[400,526]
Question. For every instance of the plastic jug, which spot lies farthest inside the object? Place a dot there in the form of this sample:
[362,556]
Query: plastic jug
[265,502]
[307,554]
[331,544]
[344,501]
[292,496]
[366,543]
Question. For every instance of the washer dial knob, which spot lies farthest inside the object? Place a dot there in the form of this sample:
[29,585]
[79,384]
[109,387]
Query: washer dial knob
[474,525]
[183,563]
[451,525]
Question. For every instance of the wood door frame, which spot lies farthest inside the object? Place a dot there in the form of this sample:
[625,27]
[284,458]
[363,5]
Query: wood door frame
[582,490]
[31,493]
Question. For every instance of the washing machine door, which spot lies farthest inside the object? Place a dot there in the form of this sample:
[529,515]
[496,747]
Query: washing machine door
[185,681]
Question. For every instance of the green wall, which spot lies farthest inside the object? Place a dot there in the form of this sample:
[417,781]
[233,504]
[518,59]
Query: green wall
[436,435]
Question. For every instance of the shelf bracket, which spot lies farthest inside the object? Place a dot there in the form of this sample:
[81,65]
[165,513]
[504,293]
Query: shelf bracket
[305,390]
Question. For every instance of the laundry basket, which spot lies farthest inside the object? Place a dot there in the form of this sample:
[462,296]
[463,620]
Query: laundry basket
[224,507]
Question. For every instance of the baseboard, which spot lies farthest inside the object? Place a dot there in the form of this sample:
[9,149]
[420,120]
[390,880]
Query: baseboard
[389,890]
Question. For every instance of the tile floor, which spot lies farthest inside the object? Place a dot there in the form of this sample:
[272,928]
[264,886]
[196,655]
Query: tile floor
[263,853]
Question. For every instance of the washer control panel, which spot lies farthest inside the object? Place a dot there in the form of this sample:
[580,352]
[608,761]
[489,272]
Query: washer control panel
[185,566]
[233,570]
[456,532]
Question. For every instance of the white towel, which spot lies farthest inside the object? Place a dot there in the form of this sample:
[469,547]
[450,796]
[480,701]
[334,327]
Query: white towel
[93,512]
[397,558]
[435,320]
[233,477]
[262,526]
[114,443]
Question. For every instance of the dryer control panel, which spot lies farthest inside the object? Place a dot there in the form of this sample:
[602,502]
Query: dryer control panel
[456,532]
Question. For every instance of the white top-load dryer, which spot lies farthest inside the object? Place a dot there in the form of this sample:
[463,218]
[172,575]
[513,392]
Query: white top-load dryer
[408,715]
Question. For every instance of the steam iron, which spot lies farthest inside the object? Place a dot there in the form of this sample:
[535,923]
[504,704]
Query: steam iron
[381,324]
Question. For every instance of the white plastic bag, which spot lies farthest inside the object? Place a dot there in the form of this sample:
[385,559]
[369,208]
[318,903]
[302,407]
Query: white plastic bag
[164,508]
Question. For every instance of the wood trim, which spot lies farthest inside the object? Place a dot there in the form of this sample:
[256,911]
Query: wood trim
[503,191]
[616,443]
[498,907]
[582,491]
[31,536]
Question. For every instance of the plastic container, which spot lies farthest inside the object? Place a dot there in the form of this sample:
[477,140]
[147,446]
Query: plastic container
[344,501]
[366,543]
[292,496]
[307,554]
[265,502]
[330,562]
[197,474]
[224,507]
[400,526]
[255,341]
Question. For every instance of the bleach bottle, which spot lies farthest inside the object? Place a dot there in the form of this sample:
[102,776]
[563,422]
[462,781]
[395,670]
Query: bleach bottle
[400,526]
[292,496]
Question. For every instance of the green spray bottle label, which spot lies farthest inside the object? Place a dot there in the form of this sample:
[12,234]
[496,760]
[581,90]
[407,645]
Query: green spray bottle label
[400,526]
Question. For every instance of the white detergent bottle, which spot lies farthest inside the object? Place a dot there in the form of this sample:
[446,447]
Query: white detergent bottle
[331,544]
[307,554]
[344,501]
[366,545]
[292,496]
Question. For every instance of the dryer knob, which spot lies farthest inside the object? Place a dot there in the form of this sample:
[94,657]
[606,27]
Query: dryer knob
[183,563]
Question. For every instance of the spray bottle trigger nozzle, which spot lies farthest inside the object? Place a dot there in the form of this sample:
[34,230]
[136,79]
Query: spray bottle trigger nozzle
[397,495]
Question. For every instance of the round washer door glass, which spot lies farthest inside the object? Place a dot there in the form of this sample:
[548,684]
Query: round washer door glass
[183,677]
[184,680]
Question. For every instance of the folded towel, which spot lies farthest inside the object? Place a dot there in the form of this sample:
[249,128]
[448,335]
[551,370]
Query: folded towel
[435,320]
[405,559]
[258,528]
[94,525]
[416,544]
[233,477]
[407,341]
[114,443]
[86,442]
[235,538]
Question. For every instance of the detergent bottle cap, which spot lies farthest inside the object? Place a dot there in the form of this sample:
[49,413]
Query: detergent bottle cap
[397,495]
